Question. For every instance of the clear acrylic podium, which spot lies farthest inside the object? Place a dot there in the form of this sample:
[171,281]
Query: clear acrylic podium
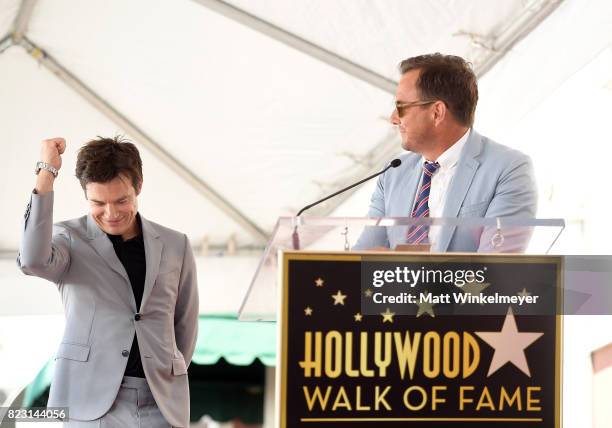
[338,234]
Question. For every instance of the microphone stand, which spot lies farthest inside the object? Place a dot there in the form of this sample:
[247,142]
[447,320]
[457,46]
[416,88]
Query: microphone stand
[295,238]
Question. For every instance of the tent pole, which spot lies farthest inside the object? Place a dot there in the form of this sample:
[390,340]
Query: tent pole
[20,25]
[300,44]
[5,43]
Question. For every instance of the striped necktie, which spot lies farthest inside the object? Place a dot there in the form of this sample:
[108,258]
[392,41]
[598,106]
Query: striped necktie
[417,234]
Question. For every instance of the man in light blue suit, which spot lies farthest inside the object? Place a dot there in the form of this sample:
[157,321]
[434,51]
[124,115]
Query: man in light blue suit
[450,170]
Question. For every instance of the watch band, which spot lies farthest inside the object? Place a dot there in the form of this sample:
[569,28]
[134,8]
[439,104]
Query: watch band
[46,166]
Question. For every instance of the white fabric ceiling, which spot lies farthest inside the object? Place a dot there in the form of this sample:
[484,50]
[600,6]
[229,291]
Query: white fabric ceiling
[377,34]
[266,126]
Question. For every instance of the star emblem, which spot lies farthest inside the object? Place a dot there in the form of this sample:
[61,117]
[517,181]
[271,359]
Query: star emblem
[338,298]
[509,345]
[474,288]
[425,307]
[523,293]
[368,293]
[358,317]
[319,282]
[308,311]
[387,316]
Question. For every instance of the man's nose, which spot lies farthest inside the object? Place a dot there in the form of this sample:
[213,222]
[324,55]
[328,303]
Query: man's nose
[111,211]
[394,118]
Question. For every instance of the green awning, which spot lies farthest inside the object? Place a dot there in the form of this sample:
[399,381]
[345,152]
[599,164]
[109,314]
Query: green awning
[39,385]
[240,343]
[219,336]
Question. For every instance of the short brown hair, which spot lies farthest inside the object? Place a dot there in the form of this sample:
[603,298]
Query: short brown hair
[447,78]
[102,159]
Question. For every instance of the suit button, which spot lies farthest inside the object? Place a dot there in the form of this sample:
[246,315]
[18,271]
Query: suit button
[125,353]
[137,317]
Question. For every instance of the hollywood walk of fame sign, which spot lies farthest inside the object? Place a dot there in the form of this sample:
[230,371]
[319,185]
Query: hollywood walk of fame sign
[346,362]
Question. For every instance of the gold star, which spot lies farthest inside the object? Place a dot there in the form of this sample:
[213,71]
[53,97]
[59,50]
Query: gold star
[338,298]
[523,293]
[387,315]
[509,345]
[358,317]
[368,293]
[308,311]
[474,288]
[319,282]
[425,307]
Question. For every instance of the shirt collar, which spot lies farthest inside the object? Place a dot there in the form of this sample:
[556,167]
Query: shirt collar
[450,157]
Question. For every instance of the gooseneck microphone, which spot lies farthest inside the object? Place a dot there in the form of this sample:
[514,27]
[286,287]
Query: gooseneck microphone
[296,240]
[393,164]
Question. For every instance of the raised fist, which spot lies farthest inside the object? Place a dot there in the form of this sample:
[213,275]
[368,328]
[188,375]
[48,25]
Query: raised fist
[51,151]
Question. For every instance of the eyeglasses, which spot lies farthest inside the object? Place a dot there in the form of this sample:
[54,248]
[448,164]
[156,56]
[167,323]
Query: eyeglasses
[401,107]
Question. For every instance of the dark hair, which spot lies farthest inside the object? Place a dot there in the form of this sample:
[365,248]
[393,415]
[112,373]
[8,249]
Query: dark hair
[447,78]
[102,159]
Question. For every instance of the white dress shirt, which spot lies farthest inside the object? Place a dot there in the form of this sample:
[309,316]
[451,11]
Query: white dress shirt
[441,180]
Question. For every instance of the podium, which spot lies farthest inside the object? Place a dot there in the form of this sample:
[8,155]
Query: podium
[464,331]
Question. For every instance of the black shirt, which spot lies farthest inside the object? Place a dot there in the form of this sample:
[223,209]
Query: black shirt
[131,253]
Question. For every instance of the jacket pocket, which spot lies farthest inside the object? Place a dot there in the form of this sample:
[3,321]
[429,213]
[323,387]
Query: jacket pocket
[178,367]
[73,351]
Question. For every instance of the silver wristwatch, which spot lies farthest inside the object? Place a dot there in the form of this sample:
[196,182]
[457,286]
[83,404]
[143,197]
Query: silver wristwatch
[45,165]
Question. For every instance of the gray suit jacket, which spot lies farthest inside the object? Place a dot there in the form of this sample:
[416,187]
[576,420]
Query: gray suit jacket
[99,306]
[491,180]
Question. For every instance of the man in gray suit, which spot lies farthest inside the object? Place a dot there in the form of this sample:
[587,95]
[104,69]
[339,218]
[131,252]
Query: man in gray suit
[450,170]
[129,291]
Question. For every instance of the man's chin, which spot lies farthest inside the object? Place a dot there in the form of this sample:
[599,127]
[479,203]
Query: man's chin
[410,146]
[118,229]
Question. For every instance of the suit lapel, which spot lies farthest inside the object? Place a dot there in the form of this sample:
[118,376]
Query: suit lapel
[465,170]
[153,250]
[104,248]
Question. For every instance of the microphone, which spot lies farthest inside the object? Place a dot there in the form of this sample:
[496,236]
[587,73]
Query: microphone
[295,237]
[393,164]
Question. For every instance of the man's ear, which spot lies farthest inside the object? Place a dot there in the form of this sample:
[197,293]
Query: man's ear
[139,188]
[440,111]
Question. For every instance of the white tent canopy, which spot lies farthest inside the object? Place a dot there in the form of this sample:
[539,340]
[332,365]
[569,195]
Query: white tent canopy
[245,111]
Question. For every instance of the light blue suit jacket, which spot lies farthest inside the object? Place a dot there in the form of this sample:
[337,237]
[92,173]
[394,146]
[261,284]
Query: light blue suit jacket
[490,180]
